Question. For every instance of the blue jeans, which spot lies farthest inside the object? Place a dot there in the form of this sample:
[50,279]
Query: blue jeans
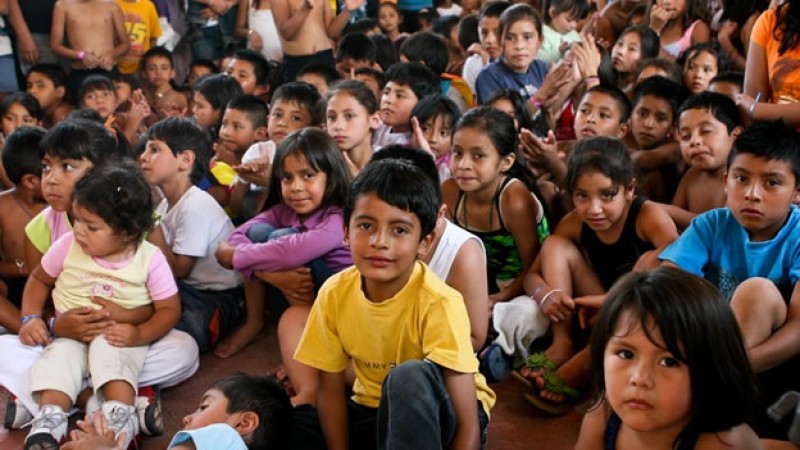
[207,315]
[207,43]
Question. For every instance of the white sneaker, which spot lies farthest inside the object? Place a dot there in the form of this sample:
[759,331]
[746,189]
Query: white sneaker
[17,415]
[48,429]
[121,418]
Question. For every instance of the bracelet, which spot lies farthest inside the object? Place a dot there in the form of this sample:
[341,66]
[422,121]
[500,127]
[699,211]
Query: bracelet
[51,326]
[535,102]
[546,296]
[752,109]
[81,55]
[27,318]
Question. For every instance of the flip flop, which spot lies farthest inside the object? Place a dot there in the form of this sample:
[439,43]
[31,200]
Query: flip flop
[536,362]
[553,383]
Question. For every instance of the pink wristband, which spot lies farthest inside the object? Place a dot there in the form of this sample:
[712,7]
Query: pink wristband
[81,55]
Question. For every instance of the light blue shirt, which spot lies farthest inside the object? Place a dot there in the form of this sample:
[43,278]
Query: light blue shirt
[212,437]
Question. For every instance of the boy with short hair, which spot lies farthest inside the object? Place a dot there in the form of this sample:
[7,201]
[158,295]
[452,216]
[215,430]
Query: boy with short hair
[406,332]
[175,158]
[708,125]
[321,76]
[728,83]
[23,167]
[47,83]
[354,51]
[374,78]
[750,249]
[252,70]
[406,84]
[157,72]
[490,47]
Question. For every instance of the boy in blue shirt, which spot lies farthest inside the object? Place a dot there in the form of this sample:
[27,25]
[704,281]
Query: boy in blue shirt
[751,249]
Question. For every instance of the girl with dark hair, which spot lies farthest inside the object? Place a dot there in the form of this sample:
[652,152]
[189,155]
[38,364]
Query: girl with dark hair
[210,96]
[679,24]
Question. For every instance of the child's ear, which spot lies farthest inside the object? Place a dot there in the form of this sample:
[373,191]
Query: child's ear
[30,181]
[507,161]
[425,245]
[261,134]
[186,159]
[61,91]
[623,129]
[261,90]
[375,120]
[247,424]
[737,132]
[346,240]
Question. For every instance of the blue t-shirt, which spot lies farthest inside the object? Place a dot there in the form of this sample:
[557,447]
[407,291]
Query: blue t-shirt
[497,75]
[717,247]
[212,437]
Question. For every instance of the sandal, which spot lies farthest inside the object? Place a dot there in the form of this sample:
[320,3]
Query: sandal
[536,362]
[553,383]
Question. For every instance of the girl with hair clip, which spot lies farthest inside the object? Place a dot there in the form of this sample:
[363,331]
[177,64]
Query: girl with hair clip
[679,24]
[771,81]
[105,255]
[670,368]
[611,232]
[352,117]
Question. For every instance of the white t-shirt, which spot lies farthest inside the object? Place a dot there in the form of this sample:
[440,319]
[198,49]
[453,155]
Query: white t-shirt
[453,237]
[472,67]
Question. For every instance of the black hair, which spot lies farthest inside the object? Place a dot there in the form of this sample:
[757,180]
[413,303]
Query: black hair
[720,106]
[521,111]
[120,195]
[417,76]
[363,25]
[267,399]
[182,134]
[468,31]
[516,13]
[427,48]
[672,69]
[218,89]
[359,91]
[376,74]
[157,51]
[729,76]
[25,100]
[739,11]
[255,109]
[322,155]
[637,11]
[261,67]
[385,51]
[705,47]
[616,94]
[444,25]
[688,317]
[128,79]
[418,157]
[434,106]
[85,114]
[663,88]
[578,9]
[96,83]
[427,15]
[52,72]
[20,154]
[401,184]
[773,141]
[305,95]
[358,46]
[493,9]
[81,138]
[604,155]
[207,63]
[324,70]
[649,42]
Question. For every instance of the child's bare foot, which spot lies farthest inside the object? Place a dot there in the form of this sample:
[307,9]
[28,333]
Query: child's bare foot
[238,340]
[573,373]
[557,354]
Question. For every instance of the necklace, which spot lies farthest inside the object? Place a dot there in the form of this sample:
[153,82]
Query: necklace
[21,206]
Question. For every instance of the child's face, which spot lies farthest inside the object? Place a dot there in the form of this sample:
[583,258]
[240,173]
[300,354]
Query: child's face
[674,7]
[598,115]
[212,409]
[316,80]
[44,91]
[626,53]
[101,100]
[490,41]
[705,142]
[438,131]
[397,102]
[699,72]
[95,236]
[388,19]
[158,71]
[384,241]
[521,43]
[243,72]
[600,203]
[646,385]
[237,132]
[372,83]
[651,121]
[563,22]
[15,117]
[59,177]
[124,91]
[302,187]
[196,72]
[347,64]
[205,114]
[476,163]
[727,88]
[284,117]
[760,193]
[159,165]
[348,121]
[505,105]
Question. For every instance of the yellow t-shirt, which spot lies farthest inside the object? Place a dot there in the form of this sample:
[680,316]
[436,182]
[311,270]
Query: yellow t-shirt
[784,70]
[141,23]
[427,319]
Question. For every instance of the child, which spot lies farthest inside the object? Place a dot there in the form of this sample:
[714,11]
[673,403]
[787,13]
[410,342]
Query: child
[48,84]
[16,110]
[728,83]
[634,45]
[198,69]
[749,249]
[105,256]
[700,65]
[708,125]
[300,232]
[373,78]
[659,66]
[157,73]
[611,232]
[210,96]
[489,195]
[141,21]
[666,356]
[98,94]
[390,18]
[320,76]
[434,118]
[24,169]
[90,34]
[490,46]
[403,361]
[406,84]
[679,24]
[252,71]
[561,19]
[354,51]
[520,30]
[352,118]
[174,159]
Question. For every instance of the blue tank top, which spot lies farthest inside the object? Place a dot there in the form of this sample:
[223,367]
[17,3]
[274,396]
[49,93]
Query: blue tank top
[688,441]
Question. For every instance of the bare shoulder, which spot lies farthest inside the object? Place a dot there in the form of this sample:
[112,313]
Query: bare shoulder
[591,436]
[450,195]
[570,226]
[740,437]
[517,198]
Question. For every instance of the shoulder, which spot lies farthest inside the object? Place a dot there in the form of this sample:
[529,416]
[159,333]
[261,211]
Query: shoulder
[592,433]
[570,226]
[740,437]
[516,199]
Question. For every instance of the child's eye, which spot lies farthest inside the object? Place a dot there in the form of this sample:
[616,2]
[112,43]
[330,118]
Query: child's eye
[605,115]
[740,178]
[608,195]
[444,133]
[91,228]
[45,167]
[670,362]
[309,175]
[69,167]
[479,156]
[349,116]
[365,226]
[296,118]
[773,183]
[584,110]
[400,230]
[286,179]
[457,154]
[625,354]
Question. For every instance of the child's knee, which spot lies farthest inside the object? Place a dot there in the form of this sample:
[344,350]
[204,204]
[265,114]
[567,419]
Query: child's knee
[757,290]
[557,245]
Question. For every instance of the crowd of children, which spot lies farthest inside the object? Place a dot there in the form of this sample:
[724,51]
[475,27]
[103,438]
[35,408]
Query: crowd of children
[599,198]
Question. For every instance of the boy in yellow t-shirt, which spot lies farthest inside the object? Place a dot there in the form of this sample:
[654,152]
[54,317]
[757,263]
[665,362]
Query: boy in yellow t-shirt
[141,23]
[406,332]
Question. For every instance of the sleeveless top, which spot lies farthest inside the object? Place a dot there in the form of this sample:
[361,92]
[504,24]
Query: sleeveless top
[453,237]
[262,22]
[612,430]
[503,263]
[676,48]
[611,261]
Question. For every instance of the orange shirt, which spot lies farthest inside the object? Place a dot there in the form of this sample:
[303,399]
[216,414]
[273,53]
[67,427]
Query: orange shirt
[784,70]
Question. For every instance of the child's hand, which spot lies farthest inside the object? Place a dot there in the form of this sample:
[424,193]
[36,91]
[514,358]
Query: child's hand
[224,254]
[352,5]
[538,151]
[93,433]
[105,61]
[34,333]
[254,41]
[91,61]
[139,106]
[296,285]
[659,16]
[122,335]
[256,171]
[418,138]
[558,306]
[309,4]
[587,57]
[477,49]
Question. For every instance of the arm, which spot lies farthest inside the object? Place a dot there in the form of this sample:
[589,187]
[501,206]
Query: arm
[461,387]
[783,344]
[166,316]
[289,22]
[181,265]
[336,25]
[34,297]
[26,44]
[332,407]
[57,33]
[654,225]
[756,73]
[468,276]
[520,217]
[120,35]
[701,33]
[650,160]
[592,430]
[241,30]
[679,209]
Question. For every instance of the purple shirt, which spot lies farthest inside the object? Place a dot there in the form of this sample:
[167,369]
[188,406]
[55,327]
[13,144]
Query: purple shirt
[320,235]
